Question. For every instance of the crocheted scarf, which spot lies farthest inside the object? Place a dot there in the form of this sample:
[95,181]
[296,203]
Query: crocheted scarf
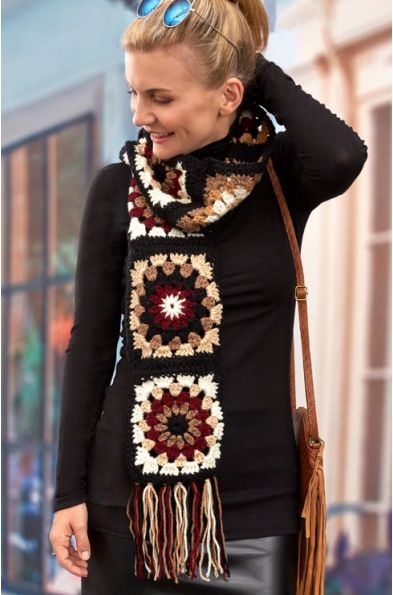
[174,310]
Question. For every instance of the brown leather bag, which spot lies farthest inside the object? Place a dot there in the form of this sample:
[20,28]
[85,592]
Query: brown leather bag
[312,534]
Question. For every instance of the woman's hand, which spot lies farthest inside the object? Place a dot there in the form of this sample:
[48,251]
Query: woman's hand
[256,84]
[67,522]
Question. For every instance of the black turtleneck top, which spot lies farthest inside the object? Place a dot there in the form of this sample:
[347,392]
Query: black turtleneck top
[317,157]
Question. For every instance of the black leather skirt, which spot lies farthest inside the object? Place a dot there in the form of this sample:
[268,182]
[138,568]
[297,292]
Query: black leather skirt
[258,566]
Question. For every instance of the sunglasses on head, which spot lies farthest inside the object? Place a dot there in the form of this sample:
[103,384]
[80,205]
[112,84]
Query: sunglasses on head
[175,13]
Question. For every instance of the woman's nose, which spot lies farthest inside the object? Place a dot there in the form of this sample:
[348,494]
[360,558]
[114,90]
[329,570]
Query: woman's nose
[142,117]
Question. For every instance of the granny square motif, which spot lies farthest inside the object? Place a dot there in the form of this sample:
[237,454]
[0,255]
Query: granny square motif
[176,426]
[174,307]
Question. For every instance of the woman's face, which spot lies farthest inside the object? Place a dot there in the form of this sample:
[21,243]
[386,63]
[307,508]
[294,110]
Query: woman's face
[167,97]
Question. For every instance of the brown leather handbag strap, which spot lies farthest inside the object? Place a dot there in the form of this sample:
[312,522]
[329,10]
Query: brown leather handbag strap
[300,294]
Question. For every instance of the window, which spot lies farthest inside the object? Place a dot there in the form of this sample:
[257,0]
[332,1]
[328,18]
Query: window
[377,376]
[45,181]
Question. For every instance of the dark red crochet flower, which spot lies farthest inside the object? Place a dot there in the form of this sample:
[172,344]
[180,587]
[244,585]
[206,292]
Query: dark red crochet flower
[172,307]
[178,426]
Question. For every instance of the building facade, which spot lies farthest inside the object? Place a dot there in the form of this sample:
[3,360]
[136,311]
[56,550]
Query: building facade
[343,58]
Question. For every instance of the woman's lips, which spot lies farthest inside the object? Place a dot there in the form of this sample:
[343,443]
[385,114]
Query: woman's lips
[158,139]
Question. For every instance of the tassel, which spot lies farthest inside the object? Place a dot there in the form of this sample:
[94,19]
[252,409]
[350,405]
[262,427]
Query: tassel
[180,495]
[177,530]
[150,500]
[161,532]
[196,531]
[224,560]
[312,535]
[170,533]
[209,540]
[134,521]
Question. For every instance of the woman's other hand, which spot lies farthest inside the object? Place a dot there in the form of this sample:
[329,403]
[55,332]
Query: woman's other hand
[255,85]
[67,522]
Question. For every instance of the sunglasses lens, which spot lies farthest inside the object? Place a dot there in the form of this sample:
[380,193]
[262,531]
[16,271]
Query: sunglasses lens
[176,12]
[146,7]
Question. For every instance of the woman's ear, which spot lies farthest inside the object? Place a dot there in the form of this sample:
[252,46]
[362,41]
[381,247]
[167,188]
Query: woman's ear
[232,95]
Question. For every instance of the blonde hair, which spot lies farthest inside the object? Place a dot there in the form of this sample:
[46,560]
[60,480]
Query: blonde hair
[244,22]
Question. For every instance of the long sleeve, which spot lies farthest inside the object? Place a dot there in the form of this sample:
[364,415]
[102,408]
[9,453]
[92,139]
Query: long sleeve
[318,156]
[91,351]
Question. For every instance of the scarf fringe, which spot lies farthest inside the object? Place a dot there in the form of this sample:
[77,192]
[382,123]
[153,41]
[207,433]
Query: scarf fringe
[176,530]
[312,535]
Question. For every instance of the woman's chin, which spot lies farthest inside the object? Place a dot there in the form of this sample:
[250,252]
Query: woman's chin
[164,153]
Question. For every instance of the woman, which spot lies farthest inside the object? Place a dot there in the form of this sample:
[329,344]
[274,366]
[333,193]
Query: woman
[191,448]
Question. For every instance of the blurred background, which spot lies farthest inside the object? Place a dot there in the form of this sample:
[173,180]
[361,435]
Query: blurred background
[65,114]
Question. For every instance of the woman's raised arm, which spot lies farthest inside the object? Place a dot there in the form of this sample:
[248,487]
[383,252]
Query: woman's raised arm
[318,152]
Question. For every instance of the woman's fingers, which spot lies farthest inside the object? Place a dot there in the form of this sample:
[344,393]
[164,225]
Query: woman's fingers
[67,560]
[75,558]
[82,539]
[69,522]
